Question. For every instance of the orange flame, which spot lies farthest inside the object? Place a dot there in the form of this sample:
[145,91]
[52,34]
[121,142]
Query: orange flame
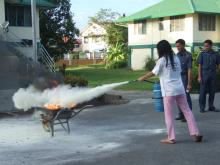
[72,105]
[52,107]
[56,107]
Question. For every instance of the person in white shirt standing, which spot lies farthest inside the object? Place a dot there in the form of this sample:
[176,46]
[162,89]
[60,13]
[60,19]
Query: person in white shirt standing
[168,68]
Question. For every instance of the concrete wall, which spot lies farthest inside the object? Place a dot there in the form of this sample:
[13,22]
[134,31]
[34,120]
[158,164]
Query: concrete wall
[139,58]
[27,51]
[201,36]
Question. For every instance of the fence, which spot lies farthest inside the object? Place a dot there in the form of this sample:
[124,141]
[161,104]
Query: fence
[77,62]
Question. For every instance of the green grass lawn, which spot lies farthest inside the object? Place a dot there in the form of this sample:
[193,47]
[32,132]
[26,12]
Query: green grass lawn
[98,75]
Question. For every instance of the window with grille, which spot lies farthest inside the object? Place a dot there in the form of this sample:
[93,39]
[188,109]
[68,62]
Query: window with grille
[177,23]
[140,27]
[161,26]
[207,22]
[86,40]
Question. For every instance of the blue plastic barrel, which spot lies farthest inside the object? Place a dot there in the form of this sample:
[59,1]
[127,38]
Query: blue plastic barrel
[158,99]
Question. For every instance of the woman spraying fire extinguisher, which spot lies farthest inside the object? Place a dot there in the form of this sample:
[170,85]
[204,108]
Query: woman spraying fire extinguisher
[168,69]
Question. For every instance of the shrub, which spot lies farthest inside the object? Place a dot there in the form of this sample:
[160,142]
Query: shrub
[150,64]
[75,81]
[82,55]
[116,65]
[116,56]
[74,55]
[195,83]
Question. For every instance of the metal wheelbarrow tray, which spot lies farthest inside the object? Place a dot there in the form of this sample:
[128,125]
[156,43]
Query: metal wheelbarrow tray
[50,118]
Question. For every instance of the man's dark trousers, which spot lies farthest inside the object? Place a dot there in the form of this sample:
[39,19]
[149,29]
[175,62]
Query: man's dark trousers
[207,84]
[185,83]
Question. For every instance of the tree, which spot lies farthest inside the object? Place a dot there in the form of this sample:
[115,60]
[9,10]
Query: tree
[117,36]
[55,24]
[104,16]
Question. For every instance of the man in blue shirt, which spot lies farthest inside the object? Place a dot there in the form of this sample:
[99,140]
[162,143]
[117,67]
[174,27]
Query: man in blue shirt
[208,62]
[185,58]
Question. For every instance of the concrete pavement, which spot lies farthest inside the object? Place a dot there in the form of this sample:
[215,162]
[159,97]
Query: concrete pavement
[126,134]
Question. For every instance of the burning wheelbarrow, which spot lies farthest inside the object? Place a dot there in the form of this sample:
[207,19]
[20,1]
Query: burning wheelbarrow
[55,115]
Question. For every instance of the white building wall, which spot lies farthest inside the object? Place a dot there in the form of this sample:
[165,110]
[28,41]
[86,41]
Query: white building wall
[93,46]
[139,58]
[153,35]
[201,36]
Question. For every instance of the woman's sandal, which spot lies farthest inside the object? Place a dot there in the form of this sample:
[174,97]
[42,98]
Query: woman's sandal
[167,141]
[197,138]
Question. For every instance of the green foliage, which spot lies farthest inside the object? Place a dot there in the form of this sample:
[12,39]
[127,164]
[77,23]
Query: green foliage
[117,38]
[117,65]
[75,81]
[99,76]
[116,56]
[56,23]
[116,34]
[195,83]
[74,55]
[150,64]
[82,55]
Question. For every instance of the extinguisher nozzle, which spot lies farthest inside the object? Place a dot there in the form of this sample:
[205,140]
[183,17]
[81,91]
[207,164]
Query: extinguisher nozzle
[132,81]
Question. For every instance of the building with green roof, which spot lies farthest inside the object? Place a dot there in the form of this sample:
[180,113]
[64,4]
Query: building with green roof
[192,20]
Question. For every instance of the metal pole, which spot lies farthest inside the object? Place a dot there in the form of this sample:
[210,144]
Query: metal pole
[34,40]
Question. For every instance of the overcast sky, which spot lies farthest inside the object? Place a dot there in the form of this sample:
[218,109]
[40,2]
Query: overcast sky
[83,9]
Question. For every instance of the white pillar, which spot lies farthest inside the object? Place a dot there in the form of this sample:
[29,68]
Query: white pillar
[2,11]
[34,40]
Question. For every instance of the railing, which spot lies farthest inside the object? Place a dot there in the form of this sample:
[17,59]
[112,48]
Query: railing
[46,59]
[16,42]
[12,42]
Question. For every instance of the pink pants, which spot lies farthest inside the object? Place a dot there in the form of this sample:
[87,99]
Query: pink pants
[169,105]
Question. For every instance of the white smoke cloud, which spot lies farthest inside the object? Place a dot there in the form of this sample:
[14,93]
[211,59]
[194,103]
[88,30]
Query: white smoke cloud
[64,95]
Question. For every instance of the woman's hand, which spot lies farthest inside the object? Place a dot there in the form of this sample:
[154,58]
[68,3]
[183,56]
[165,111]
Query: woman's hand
[199,79]
[189,87]
[141,78]
[146,76]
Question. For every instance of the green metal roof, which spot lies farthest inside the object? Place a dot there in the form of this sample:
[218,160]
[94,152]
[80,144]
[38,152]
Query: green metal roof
[167,8]
[41,3]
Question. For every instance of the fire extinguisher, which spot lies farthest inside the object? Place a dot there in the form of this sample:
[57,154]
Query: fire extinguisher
[157,96]
[158,99]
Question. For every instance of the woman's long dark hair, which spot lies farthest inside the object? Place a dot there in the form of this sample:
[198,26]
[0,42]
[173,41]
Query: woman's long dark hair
[164,50]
